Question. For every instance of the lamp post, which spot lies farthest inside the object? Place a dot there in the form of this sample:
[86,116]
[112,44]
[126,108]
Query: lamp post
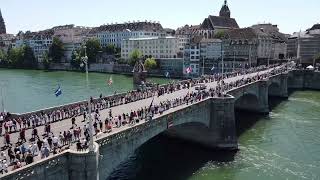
[2,101]
[2,86]
[222,69]
[85,62]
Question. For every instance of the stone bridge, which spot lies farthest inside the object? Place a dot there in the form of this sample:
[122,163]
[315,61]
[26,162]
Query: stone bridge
[210,123]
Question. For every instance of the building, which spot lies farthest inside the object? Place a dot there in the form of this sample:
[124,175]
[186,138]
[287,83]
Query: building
[40,42]
[279,40]
[211,25]
[265,45]
[2,25]
[115,33]
[6,41]
[305,45]
[203,56]
[72,38]
[157,47]
[191,57]
[172,66]
[240,48]
[210,55]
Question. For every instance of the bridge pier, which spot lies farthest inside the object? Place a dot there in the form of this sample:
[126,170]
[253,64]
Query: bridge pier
[253,98]
[280,88]
[222,121]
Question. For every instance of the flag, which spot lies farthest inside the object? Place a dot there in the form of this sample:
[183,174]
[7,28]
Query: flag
[58,92]
[110,81]
[167,74]
[212,68]
[188,70]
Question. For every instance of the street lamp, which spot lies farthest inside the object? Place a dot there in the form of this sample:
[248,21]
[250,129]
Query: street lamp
[85,62]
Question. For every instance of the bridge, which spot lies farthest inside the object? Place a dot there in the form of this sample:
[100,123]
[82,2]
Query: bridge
[213,115]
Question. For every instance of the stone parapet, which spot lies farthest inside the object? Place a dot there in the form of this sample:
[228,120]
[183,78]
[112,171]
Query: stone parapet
[68,165]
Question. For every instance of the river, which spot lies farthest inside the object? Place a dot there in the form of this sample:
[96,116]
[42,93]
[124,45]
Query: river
[284,145]
[29,90]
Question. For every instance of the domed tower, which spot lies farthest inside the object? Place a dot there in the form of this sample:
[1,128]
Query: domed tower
[2,25]
[225,11]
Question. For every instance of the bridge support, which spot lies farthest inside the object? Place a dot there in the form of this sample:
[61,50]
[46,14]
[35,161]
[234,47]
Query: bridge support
[279,89]
[253,98]
[222,122]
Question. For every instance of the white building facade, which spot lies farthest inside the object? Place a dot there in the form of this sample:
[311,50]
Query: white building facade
[191,59]
[40,42]
[115,33]
[157,47]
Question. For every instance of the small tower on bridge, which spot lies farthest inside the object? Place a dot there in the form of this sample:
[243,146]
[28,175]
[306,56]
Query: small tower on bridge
[139,74]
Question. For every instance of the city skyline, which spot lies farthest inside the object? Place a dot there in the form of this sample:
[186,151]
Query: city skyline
[37,16]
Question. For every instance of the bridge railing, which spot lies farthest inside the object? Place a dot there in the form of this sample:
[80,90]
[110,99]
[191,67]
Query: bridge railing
[192,83]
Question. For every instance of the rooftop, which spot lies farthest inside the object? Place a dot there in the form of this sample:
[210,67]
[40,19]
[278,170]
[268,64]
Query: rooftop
[133,26]
[151,38]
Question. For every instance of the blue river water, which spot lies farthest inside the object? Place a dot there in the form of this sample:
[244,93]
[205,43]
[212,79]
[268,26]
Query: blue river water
[29,90]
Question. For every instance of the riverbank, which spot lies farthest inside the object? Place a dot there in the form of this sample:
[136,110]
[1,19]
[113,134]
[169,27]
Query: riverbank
[30,90]
[122,69]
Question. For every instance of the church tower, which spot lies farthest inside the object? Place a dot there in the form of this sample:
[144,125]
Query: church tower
[2,25]
[225,11]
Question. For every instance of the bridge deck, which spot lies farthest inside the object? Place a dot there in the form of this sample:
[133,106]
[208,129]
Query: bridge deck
[65,125]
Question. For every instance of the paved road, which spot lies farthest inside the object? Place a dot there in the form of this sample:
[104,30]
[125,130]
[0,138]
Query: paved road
[65,125]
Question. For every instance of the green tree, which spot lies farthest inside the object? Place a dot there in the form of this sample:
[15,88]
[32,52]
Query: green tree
[317,58]
[150,63]
[93,48]
[110,49]
[135,56]
[46,61]
[28,58]
[15,57]
[76,58]
[3,57]
[220,34]
[56,50]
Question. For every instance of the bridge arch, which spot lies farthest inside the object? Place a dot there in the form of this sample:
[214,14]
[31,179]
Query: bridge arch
[247,102]
[274,88]
[116,148]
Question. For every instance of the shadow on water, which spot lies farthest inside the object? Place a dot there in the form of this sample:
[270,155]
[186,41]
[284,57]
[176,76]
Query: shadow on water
[247,119]
[168,158]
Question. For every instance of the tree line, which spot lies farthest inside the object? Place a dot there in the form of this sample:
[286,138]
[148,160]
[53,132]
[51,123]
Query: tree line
[24,57]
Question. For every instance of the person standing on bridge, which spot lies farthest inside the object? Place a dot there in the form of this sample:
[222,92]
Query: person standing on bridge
[23,134]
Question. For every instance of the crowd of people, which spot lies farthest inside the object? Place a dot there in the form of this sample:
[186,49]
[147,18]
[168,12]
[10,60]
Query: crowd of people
[41,145]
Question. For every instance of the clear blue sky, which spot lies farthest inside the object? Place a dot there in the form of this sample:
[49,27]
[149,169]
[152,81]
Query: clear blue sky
[290,15]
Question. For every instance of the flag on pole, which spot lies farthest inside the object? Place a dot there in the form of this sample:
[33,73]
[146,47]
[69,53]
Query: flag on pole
[58,92]
[188,70]
[167,74]
[110,81]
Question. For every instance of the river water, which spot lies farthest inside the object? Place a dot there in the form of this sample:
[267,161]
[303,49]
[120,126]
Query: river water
[29,90]
[282,146]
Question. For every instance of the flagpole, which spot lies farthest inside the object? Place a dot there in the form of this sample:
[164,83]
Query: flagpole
[85,60]
[2,101]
